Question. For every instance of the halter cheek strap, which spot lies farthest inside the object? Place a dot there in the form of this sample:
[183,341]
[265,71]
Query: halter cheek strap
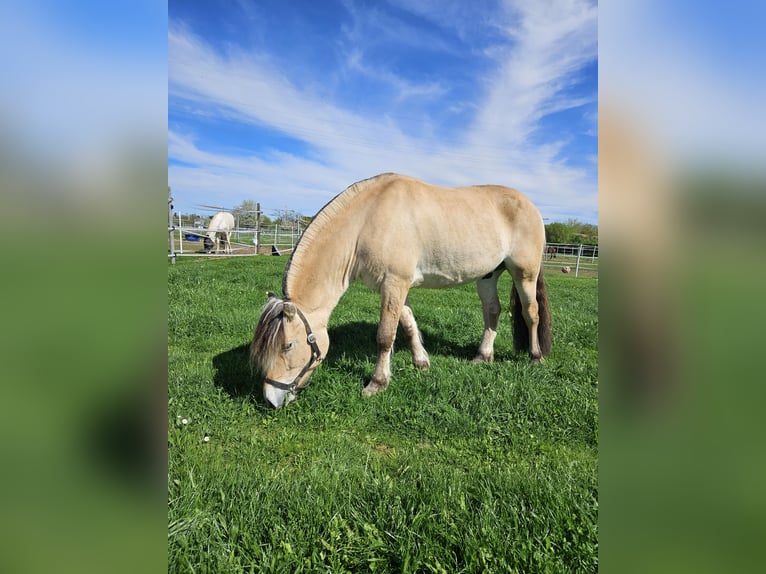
[316,357]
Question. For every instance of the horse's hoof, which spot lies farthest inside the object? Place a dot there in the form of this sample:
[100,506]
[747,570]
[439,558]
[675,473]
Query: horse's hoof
[372,388]
[484,359]
[423,365]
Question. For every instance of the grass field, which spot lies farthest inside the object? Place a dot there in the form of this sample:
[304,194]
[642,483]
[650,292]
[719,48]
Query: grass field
[463,468]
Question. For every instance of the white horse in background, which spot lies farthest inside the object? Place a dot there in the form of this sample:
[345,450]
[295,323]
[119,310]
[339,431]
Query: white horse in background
[219,230]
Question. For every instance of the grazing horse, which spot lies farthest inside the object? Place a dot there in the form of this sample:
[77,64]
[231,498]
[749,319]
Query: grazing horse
[551,252]
[394,232]
[220,230]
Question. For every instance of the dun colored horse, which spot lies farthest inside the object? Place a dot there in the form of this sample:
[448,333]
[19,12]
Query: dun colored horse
[219,231]
[394,232]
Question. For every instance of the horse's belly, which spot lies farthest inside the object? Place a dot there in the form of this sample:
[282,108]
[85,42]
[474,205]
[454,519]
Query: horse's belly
[438,277]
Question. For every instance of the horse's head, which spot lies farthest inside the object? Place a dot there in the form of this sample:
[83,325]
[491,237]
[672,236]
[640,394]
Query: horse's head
[286,350]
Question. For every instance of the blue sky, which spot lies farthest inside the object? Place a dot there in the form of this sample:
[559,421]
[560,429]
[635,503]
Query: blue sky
[287,103]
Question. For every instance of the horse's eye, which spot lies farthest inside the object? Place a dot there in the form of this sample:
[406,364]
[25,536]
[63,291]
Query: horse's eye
[288,347]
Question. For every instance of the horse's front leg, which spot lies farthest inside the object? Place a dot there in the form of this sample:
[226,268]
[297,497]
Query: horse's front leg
[392,297]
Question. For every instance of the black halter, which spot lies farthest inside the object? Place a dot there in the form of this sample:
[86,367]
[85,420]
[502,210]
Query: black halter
[316,357]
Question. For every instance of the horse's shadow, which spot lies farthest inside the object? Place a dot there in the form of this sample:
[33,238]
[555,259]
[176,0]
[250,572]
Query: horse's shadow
[232,373]
[351,341]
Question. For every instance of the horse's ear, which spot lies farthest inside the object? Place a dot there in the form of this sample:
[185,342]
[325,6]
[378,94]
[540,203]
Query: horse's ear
[289,309]
[270,294]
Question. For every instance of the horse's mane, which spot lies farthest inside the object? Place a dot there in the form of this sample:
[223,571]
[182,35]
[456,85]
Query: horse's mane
[322,219]
[269,335]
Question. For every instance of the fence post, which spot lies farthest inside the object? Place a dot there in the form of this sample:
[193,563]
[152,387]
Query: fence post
[180,234]
[257,238]
[577,266]
[171,229]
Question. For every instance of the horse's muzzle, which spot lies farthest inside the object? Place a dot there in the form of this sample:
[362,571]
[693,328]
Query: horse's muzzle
[277,398]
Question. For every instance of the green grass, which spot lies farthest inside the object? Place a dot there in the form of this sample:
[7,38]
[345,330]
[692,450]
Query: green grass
[463,468]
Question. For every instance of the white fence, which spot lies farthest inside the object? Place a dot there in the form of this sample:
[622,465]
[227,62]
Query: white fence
[244,241]
[274,238]
[580,258]
[190,239]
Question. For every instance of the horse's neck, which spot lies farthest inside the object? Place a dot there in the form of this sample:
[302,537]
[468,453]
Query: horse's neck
[324,262]
[319,282]
[319,298]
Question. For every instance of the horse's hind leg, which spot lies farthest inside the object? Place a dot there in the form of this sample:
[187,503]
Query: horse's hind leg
[490,303]
[525,284]
[392,296]
[410,328]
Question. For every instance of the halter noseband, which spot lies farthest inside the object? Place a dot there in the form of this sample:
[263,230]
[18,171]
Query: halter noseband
[316,357]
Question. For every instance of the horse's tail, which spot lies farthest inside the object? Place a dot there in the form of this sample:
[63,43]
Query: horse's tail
[543,309]
[519,325]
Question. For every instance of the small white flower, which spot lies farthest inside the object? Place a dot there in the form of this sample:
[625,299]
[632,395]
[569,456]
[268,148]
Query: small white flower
[206,439]
[184,422]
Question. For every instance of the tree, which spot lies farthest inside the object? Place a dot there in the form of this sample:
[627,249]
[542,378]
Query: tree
[188,219]
[558,233]
[572,231]
[585,233]
[291,218]
[245,213]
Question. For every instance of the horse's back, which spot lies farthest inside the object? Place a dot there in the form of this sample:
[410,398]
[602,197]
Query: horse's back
[420,204]
[442,235]
[222,221]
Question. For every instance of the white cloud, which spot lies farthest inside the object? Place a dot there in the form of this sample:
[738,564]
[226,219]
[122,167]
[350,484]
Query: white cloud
[402,89]
[553,41]
[545,49]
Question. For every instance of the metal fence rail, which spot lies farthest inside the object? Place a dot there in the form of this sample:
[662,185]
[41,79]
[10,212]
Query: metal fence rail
[584,258]
[244,241]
